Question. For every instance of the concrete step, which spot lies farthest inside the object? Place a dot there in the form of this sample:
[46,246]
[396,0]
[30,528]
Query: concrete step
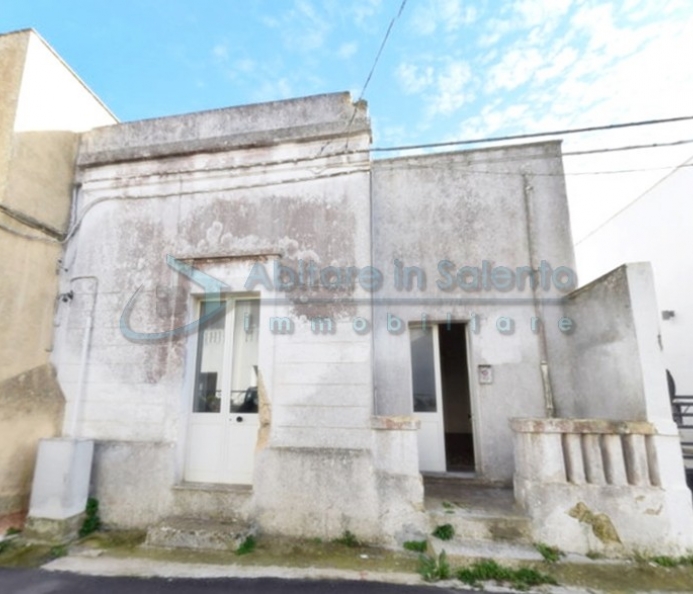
[470,525]
[205,500]
[477,513]
[198,533]
[505,553]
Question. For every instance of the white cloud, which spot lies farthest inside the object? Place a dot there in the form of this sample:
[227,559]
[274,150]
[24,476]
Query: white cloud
[515,68]
[303,28]
[536,12]
[221,51]
[452,89]
[445,86]
[558,66]
[347,50]
[414,79]
[495,30]
[446,15]
[272,90]
[363,11]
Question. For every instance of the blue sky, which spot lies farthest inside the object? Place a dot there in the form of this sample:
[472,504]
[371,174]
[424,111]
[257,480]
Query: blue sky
[451,68]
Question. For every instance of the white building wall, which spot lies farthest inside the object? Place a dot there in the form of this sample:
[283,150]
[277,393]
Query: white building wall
[506,206]
[52,97]
[657,227]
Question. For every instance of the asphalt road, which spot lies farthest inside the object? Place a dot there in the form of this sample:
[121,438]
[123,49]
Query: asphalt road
[37,581]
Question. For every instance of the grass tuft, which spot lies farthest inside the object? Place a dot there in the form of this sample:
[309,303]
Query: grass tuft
[92,522]
[444,532]
[57,551]
[348,539]
[247,546]
[432,569]
[519,579]
[550,554]
[418,546]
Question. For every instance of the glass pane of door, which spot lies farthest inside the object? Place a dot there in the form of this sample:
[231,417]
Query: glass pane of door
[246,331]
[423,369]
[209,367]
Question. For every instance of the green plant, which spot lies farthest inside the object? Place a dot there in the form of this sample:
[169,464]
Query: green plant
[550,554]
[58,551]
[348,539]
[92,522]
[520,579]
[664,560]
[444,532]
[11,531]
[448,505]
[432,569]
[247,546]
[418,546]
[4,545]
[593,555]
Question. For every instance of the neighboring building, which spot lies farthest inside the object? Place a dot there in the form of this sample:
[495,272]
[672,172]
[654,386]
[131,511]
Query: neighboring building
[657,227]
[43,109]
[262,323]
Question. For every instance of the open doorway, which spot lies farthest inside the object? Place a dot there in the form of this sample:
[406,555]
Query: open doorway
[441,397]
[457,410]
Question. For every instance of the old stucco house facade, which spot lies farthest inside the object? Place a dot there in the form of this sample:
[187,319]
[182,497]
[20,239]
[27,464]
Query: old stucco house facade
[265,324]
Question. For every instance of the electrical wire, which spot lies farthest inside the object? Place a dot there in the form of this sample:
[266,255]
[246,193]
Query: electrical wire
[353,167]
[380,50]
[532,135]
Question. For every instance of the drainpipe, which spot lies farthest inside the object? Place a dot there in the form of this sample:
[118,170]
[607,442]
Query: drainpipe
[549,408]
[86,344]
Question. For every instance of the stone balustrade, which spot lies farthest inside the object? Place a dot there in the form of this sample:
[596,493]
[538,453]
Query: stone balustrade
[586,451]
[595,485]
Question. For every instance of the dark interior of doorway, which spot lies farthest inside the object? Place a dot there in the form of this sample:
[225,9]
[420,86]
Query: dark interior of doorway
[457,412]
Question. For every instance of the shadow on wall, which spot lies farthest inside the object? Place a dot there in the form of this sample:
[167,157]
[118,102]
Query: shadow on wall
[31,408]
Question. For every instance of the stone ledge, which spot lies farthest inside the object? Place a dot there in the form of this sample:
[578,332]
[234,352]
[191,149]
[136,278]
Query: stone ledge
[601,426]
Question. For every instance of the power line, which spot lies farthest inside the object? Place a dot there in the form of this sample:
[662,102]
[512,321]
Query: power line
[368,78]
[353,167]
[630,147]
[382,46]
[531,135]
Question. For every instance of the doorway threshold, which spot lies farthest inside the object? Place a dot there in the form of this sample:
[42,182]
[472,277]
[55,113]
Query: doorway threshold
[455,474]
[194,486]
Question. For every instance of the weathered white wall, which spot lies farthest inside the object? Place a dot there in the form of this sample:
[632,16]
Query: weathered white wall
[243,204]
[611,366]
[505,205]
[224,190]
[656,227]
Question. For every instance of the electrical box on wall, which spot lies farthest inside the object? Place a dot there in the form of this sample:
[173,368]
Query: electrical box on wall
[485,374]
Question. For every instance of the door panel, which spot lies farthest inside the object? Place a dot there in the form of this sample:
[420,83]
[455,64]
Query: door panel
[426,393]
[204,459]
[223,423]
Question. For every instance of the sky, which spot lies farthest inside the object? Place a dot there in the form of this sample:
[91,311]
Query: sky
[450,70]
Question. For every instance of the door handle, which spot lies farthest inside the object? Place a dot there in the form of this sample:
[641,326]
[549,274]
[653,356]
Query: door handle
[239,419]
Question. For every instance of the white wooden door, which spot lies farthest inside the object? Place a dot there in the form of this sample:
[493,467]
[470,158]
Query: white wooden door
[427,396]
[223,422]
